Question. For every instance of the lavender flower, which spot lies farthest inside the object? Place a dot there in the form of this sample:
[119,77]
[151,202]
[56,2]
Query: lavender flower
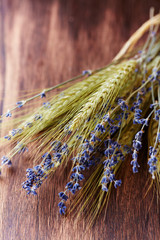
[43,94]
[113,156]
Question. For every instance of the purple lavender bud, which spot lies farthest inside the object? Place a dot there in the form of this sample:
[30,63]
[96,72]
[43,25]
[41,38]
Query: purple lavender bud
[117,183]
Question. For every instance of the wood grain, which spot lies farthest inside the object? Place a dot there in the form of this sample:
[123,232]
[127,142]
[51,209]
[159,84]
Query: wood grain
[46,42]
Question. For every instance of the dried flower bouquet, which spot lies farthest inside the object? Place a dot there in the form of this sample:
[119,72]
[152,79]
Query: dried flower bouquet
[94,123]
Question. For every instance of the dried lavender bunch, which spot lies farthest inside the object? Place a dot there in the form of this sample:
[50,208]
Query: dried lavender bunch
[94,122]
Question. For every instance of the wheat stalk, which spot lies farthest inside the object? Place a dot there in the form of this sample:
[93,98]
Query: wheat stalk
[107,92]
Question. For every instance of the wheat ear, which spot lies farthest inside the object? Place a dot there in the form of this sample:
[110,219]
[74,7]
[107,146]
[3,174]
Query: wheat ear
[107,92]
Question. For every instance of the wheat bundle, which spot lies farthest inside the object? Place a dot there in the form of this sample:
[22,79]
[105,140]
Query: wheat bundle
[94,122]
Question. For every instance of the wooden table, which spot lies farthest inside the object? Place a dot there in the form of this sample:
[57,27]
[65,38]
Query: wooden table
[43,43]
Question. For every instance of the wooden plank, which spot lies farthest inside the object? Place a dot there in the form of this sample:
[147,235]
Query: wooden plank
[43,43]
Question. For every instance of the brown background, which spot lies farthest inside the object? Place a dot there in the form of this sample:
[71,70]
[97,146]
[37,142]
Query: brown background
[46,42]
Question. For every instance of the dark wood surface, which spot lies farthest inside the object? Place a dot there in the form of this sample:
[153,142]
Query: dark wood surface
[46,42]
